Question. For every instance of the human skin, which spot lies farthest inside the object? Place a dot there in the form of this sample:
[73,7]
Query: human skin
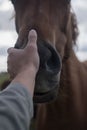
[23,64]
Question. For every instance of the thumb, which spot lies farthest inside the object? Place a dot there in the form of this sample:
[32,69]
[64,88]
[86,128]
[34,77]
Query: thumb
[32,37]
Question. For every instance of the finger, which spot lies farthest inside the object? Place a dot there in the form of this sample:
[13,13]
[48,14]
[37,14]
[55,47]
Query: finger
[32,37]
[10,50]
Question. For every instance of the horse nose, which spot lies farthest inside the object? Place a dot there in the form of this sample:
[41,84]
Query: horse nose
[49,58]
[48,76]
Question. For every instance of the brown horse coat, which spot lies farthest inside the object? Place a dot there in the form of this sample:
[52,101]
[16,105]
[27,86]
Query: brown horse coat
[55,23]
[69,111]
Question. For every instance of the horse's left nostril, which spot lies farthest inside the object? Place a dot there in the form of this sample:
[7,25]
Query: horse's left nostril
[53,64]
[50,59]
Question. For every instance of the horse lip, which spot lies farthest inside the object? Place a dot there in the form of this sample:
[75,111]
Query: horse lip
[48,95]
[45,83]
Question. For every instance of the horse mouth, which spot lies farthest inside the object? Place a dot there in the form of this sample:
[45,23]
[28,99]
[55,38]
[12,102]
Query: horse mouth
[48,76]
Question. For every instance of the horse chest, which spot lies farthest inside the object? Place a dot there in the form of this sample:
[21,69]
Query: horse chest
[61,114]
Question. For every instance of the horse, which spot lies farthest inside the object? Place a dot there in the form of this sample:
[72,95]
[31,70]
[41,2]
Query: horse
[56,24]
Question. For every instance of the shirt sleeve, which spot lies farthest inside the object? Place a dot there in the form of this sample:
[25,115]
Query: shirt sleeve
[16,108]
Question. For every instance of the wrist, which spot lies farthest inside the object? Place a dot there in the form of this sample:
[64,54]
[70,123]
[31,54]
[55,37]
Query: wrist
[30,69]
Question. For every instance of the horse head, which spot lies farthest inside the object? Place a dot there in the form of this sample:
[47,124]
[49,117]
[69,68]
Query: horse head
[53,21]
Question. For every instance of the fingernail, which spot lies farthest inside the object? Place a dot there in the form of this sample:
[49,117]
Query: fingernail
[32,33]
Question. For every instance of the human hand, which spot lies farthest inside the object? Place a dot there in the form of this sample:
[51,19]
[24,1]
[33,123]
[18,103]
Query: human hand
[20,60]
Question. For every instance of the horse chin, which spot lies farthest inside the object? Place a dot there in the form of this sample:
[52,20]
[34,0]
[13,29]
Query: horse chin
[48,76]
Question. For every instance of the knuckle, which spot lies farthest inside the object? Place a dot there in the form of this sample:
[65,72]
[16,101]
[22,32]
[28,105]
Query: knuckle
[33,47]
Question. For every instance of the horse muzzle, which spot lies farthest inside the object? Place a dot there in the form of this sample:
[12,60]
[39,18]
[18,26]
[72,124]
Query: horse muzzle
[48,76]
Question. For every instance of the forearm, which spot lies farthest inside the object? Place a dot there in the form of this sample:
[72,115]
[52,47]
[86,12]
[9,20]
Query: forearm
[16,108]
[27,79]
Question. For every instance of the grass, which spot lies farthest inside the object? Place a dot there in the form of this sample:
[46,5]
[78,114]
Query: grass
[3,77]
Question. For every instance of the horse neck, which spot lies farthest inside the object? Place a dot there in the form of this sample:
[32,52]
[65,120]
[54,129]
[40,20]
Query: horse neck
[74,82]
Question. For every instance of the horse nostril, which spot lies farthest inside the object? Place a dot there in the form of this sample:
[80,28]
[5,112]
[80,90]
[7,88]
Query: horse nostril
[53,64]
[50,59]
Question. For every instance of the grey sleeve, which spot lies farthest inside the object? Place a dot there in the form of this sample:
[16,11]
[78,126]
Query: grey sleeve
[16,108]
